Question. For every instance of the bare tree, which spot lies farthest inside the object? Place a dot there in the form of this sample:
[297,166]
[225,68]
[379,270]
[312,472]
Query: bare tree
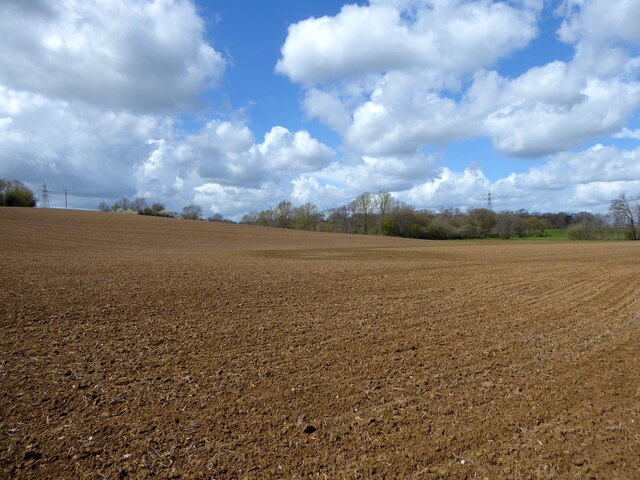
[363,207]
[192,212]
[284,214]
[250,218]
[138,204]
[123,204]
[625,212]
[384,203]
[402,219]
[339,219]
[506,223]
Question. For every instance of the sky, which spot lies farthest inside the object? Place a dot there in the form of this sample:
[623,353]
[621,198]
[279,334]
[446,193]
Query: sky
[235,105]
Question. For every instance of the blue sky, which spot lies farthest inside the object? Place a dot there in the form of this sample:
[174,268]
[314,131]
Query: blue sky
[251,34]
[236,105]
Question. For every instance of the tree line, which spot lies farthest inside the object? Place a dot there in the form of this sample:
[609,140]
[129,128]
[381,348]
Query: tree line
[381,213]
[141,206]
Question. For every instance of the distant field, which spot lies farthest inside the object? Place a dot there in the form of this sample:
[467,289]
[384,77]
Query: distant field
[140,347]
[553,235]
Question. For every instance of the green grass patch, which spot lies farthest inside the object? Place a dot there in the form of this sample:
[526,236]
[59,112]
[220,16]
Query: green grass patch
[551,235]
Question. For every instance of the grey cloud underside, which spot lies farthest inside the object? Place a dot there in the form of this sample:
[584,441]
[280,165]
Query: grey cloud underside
[72,147]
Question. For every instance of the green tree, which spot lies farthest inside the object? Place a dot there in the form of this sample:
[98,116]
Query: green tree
[15,194]
[157,208]
[384,205]
[266,218]
[537,226]
[483,221]
[306,217]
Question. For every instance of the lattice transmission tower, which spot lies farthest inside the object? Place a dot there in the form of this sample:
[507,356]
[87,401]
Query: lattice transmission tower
[44,196]
[489,200]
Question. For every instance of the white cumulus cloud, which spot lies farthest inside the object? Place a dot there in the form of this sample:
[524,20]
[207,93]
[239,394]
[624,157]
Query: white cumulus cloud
[600,21]
[128,54]
[449,188]
[585,180]
[395,75]
[450,36]
[221,162]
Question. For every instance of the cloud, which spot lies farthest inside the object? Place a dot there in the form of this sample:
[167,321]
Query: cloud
[628,133]
[461,189]
[339,182]
[546,110]
[309,189]
[90,151]
[401,115]
[598,195]
[564,182]
[449,36]
[287,152]
[431,82]
[596,164]
[222,160]
[586,180]
[328,108]
[91,92]
[121,54]
[528,128]
[98,154]
[600,22]
[233,202]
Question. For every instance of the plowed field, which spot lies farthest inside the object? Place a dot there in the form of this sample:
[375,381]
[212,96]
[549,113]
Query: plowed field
[137,347]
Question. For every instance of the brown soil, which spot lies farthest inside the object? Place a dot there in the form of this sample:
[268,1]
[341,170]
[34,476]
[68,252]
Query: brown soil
[136,347]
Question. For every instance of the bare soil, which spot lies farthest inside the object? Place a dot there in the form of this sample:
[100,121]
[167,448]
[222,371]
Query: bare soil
[138,347]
